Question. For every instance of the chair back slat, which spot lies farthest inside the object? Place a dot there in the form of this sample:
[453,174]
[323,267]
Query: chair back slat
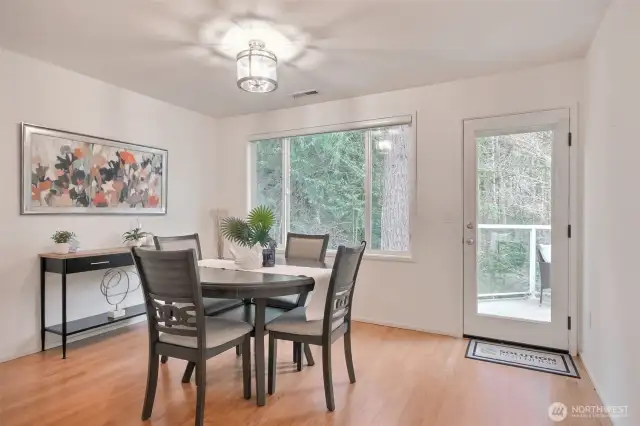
[342,285]
[175,319]
[341,304]
[172,292]
[307,247]
[181,242]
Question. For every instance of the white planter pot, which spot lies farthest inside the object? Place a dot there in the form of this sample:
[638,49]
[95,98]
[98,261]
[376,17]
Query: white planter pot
[136,243]
[61,248]
[247,258]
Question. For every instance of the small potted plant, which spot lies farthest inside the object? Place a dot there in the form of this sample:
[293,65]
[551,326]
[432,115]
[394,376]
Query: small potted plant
[134,237]
[62,240]
[251,237]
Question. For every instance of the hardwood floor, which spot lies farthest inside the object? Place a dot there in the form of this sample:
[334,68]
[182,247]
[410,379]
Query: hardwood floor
[403,378]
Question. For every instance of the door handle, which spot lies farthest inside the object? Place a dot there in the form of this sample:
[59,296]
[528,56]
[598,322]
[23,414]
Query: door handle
[469,241]
[469,225]
[106,262]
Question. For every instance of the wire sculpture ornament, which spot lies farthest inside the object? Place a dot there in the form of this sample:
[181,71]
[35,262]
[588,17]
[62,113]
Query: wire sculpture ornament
[112,279]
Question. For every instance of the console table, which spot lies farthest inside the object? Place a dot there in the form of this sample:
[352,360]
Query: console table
[72,263]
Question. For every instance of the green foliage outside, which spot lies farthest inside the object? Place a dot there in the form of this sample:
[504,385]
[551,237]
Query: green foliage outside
[514,187]
[327,187]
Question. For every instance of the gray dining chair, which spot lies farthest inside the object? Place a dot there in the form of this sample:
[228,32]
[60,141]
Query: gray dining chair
[212,306]
[304,247]
[178,326]
[293,326]
[545,271]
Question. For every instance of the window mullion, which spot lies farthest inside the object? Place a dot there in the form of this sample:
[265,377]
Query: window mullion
[367,187]
[253,176]
[286,189]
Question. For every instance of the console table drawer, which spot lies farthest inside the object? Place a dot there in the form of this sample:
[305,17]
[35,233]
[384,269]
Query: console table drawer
[94,263]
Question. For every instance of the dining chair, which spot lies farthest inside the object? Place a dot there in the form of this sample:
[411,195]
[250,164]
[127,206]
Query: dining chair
[212,306]
[293,326]
[544,263]
[304,247]
[178,326]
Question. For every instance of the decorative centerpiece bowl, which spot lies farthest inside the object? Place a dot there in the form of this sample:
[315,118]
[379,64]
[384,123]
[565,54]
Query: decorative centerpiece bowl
[249,236]
[247,257]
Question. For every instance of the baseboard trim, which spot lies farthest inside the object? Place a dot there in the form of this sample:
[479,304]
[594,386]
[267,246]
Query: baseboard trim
[594,383]
[403,326]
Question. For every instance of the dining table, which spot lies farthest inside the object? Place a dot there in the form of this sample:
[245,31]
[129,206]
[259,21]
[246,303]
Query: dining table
[218,281]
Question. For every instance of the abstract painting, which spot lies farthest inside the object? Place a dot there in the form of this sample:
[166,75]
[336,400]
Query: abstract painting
[65,172]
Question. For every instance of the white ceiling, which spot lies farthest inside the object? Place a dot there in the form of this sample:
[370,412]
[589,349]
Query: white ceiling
[350,47]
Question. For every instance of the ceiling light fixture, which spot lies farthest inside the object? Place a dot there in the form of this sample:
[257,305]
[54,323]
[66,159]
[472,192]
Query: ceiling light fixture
[256,68]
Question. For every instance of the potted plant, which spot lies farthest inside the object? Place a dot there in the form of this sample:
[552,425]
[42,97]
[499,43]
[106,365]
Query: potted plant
[250,236]
[62,240]
[135,237]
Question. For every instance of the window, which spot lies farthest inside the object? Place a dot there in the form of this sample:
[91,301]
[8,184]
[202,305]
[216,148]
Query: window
[352,183]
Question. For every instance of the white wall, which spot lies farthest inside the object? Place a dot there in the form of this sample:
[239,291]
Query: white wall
[39,93]
[427,293]
[610,345]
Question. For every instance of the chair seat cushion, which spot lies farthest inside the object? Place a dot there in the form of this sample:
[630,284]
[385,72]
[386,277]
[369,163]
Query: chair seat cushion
[218,331]
[284,302]
[292,298]
[213,306]
[295,322]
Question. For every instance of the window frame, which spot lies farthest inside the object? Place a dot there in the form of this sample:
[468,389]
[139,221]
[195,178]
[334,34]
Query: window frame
[285,138]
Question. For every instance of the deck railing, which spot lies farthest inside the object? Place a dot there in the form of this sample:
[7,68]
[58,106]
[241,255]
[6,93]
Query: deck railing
[533,238]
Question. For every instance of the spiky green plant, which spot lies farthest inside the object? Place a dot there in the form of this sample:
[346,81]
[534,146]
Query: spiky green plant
[134,235]
[254,230]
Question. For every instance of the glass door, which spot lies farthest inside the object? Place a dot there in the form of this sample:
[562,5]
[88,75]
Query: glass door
[516,209]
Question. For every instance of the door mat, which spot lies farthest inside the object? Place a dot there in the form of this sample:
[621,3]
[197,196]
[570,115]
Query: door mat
[522,357]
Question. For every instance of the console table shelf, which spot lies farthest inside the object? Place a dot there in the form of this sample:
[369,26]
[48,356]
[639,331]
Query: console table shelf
[71,263]
[95,321]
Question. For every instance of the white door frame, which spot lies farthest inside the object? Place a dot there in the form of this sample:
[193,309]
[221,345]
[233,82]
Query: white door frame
[575,252]
[574,216]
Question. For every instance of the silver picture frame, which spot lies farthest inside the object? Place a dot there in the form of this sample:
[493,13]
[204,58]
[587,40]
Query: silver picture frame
[27,132]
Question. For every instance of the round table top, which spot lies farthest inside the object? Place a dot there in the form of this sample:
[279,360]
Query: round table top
[229,283]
